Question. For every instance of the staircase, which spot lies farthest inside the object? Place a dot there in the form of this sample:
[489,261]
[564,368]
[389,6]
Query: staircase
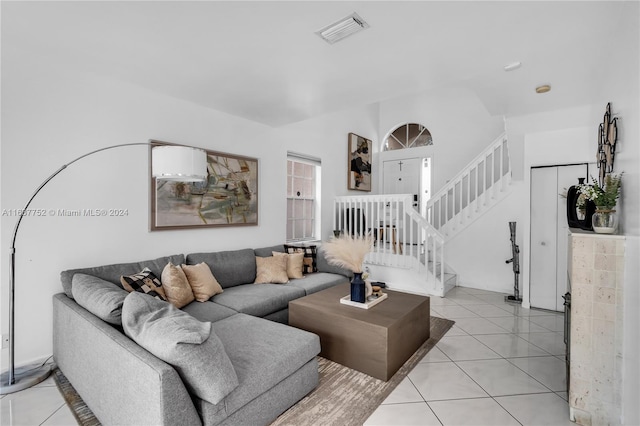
[409,246]
[477,188]
[404,240]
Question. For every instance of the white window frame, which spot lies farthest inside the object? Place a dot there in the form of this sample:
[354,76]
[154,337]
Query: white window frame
[408,142]
[316,198]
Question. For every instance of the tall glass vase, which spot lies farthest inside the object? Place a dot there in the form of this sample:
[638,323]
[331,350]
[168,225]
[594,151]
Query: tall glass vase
[604,221]
[358,289]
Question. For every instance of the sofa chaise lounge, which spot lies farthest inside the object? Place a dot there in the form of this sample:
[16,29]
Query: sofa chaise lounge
[123,383]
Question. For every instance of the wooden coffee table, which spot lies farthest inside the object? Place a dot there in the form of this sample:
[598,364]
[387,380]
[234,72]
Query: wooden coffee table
[375,341]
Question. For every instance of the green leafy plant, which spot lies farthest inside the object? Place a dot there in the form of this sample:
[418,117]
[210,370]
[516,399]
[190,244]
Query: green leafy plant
[604,197]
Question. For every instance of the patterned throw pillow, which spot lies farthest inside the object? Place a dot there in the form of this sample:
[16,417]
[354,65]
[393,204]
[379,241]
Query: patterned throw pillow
[144,282]
[310,252]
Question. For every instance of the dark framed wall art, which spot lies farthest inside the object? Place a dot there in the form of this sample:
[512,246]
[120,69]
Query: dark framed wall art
[359,177]
[228,197]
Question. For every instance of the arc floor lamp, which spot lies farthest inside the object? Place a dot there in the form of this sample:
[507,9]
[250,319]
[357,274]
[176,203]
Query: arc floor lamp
[168,162]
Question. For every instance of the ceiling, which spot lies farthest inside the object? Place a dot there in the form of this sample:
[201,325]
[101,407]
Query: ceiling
[263,61]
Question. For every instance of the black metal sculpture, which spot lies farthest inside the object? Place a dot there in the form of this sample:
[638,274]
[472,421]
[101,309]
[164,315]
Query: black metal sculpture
[515,260]
[607,138]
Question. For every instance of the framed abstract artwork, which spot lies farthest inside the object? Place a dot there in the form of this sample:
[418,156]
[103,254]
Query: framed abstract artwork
[359,177]
[228,197]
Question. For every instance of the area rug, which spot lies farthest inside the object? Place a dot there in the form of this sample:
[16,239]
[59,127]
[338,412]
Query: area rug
[343,396]
[84,416]
[348,397]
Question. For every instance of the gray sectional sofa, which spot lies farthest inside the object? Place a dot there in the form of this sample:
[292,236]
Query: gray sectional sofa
[123,383]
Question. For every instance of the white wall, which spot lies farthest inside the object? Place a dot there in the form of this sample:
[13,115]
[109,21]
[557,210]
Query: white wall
[325,137]
[569,118]
[50,116]
[479,252]
[459,124]
[622,88]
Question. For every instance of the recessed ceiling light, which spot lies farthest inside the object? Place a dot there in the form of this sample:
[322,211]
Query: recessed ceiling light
[543,89]
[342,28]
[512,66]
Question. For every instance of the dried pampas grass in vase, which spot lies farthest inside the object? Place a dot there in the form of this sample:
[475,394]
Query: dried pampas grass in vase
[349,252]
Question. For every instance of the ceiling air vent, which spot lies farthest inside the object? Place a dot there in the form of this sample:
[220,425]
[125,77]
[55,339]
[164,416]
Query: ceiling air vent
[342,29]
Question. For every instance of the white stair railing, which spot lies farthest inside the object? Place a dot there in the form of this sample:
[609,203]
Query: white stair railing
[403,237]
[476,188]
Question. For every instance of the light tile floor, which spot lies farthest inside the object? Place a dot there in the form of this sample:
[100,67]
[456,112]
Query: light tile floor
[500,364]
[40,405]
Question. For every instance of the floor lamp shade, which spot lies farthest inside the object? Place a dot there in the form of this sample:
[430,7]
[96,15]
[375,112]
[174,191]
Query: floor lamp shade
[179,163]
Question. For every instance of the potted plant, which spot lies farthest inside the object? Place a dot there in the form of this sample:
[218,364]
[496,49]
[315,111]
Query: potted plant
[605,220]
[349,252]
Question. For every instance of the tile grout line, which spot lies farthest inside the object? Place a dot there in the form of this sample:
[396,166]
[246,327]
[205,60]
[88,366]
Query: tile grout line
[506,359]
[52,414]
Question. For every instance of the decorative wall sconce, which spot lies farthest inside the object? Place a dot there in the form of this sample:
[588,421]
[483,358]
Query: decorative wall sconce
[607,138]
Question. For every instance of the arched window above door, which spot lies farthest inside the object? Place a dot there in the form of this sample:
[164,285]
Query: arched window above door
[408,135]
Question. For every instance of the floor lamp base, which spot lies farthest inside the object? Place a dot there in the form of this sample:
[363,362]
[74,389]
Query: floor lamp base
[25,377]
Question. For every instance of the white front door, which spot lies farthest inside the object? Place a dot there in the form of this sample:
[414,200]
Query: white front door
[403,177]
[407,176]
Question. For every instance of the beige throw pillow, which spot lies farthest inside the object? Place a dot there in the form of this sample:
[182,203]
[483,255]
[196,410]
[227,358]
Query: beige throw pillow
[271,270]
[176,286]
[202,281]
[295,263]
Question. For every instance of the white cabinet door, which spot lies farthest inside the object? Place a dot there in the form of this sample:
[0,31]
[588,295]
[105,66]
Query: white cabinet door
[549,234]
[544,213]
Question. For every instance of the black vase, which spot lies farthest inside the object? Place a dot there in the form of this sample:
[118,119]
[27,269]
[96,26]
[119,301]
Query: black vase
[572,214]
[358,289]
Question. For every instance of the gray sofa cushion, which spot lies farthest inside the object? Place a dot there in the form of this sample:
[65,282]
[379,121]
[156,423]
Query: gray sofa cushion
[267,251]
[230,268]
[179,339]
[208,311]
[122,383]
[113,272]
[319,281]
[324,266]
[264,353]
[102,298]
[281,316]
[258,300]
[266,408]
